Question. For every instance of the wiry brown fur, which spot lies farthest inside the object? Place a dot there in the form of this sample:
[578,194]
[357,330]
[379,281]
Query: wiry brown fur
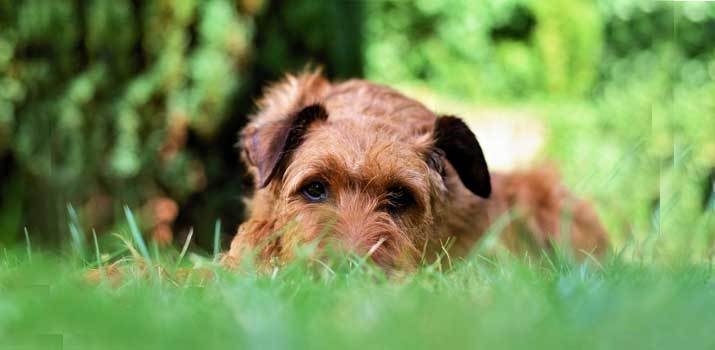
[375,138]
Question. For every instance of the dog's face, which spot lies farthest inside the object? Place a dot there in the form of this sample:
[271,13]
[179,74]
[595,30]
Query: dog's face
[362,184]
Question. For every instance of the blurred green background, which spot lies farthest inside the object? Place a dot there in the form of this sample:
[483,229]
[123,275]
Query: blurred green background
[111,102]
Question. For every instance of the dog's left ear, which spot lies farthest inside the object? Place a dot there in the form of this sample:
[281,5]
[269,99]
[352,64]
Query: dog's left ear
[267,146]
[454,140]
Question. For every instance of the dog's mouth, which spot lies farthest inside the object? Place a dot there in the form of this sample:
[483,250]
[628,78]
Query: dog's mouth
[376,239]
[386,251]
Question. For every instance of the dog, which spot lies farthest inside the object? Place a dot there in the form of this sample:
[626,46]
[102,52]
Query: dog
[359,166]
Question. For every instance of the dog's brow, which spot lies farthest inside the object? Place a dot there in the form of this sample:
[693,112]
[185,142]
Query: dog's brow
[324,167]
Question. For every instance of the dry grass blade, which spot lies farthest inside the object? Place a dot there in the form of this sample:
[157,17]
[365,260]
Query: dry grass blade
[185,248]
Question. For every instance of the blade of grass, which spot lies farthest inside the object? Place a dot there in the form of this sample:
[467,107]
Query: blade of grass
[128,245]
[111,258]
[76,232]
[361,260]
[155,250]
[593,259]
[98,255]
[137,234]
[185,248]
[96,248]
[495,230]
[76,240]
[217,239]
[445,250]
[28,245]
[325,266]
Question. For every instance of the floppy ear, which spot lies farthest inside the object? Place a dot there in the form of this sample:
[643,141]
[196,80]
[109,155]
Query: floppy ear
[267,146]
[459,145]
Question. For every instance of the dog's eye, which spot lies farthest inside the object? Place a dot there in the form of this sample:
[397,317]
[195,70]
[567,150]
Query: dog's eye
[315,192]
[398,199]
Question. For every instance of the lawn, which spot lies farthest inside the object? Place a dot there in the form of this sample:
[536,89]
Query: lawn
[495,302]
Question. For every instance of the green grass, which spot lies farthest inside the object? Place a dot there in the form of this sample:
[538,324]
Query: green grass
[498,302]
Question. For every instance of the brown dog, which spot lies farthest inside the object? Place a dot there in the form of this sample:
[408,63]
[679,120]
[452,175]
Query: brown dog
[361,167]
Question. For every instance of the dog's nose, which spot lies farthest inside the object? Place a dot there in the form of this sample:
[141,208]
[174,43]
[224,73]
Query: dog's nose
[350,233]
[357,231]
[363,234]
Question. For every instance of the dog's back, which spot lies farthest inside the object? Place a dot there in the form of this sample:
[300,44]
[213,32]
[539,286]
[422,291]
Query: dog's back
[544,212]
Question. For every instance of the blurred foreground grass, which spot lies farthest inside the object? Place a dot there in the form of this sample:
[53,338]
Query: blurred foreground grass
[498,302]
[144,296]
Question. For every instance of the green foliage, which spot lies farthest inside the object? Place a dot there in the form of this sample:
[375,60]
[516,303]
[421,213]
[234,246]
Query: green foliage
[518,48]
[117,82]
[322,33]
[486,48]
[106,91]
[132,100]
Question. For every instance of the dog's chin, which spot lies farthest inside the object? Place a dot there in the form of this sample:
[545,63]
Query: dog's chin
[384,244]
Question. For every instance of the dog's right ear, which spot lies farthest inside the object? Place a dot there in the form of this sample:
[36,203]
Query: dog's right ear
[454,141]
[267,146]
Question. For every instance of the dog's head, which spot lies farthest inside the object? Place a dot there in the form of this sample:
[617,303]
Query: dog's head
[368,184]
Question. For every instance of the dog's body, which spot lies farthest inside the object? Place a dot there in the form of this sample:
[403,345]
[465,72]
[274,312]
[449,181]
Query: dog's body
[361,167]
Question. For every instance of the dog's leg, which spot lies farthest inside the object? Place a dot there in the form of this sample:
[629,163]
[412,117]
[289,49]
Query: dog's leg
[253,237]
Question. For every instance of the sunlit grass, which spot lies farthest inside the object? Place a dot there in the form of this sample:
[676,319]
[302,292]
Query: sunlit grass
[497,301]
[175,299]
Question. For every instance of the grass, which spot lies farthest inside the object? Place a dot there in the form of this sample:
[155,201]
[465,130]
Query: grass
[497,301]
[513,306]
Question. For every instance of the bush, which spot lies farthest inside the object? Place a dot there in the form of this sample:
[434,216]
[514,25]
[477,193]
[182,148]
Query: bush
[106,102]
[104,93]
[522,48]
[511,48]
